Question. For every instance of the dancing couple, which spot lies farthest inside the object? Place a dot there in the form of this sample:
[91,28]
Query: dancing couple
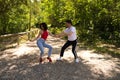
[70,32]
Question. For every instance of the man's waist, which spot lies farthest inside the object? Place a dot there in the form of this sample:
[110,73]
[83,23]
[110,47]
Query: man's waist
[72,39]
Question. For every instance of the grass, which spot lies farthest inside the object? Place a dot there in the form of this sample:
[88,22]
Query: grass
[103,48]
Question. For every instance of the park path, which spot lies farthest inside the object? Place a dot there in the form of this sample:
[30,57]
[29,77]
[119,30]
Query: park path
[21,63]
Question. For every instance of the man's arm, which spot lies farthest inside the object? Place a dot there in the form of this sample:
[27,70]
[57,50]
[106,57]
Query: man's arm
[69,34]
[72,30]
[64,34]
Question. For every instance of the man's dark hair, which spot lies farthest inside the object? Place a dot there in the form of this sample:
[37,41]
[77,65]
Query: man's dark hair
[69,21]
[44,25]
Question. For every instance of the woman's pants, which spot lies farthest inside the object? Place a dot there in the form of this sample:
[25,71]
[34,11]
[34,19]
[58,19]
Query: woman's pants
[41,44]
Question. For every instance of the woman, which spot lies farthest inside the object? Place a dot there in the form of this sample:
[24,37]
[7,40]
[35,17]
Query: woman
[41,38]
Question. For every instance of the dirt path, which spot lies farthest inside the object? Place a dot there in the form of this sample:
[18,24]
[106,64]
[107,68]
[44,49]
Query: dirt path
[21,63]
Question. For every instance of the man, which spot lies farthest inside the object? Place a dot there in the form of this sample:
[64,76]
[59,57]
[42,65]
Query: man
[70,32]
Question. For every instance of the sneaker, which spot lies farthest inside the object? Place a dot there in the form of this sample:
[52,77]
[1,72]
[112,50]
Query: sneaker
[77,60]
[59,59]
[50,60]
[40,60]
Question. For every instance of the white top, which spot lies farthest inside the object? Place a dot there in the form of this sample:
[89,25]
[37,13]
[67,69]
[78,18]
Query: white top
[73,36]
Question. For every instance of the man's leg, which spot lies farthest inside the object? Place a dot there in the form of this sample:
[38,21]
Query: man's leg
[74,44]
[67,44]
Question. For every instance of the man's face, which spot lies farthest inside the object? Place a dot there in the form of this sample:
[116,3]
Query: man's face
[67,24]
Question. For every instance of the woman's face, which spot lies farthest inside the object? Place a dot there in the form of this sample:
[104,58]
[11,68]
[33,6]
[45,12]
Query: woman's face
[42,27]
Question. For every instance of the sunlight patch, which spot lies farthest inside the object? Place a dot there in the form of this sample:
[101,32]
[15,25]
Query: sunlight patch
[100,64]
[23,50]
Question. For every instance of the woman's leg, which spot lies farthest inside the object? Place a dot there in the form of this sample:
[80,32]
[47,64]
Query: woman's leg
[49,47]
[49,52]
[40,45]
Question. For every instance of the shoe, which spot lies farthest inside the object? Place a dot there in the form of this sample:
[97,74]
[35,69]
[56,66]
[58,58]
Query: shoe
[40,60]
[77,60]
[50,60]
[59,59]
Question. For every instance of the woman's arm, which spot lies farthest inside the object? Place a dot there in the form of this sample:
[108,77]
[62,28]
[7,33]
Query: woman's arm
[40,32]
[50,33]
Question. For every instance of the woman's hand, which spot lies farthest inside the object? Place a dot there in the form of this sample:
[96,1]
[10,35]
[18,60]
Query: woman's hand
[31,40]
[40,32]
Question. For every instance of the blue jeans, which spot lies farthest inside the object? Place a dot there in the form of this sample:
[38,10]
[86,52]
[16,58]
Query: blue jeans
[41,44]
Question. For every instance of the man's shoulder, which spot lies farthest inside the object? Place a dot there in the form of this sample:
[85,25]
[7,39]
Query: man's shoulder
[66,29]
[73,27]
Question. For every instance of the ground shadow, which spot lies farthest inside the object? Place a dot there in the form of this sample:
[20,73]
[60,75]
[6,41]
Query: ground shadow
[27,68]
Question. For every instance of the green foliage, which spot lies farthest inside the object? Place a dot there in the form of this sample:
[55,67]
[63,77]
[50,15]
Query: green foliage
[12,16]
[95,20]
[56,30]
[17,15]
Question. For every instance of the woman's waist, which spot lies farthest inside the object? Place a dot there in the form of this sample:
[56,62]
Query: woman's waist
[42,39]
